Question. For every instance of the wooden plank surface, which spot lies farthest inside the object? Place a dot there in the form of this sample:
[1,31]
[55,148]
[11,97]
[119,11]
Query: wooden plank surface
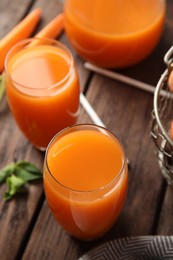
[165,223]
[126,112]
[11,12]
[26,222]
[16,215]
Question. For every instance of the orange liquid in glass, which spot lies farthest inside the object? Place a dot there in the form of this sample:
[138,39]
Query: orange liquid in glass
[114,33]
[87,163]
[46,100]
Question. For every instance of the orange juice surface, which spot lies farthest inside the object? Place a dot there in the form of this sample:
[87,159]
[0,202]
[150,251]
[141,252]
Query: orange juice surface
[115,33]
[43,92]
[87,185]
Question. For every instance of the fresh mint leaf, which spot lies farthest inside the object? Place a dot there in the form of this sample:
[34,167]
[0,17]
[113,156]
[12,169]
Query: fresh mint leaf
[29,167]
[6,171]
[2,86]
[26,175]
[14,185]
[17,175]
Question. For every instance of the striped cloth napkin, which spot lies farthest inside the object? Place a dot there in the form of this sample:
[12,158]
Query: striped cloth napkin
[134,248]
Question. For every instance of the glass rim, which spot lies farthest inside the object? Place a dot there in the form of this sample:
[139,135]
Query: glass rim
[28,40]
[124,161]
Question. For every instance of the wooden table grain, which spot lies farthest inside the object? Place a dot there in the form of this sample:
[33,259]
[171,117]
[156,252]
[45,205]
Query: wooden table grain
[27,228]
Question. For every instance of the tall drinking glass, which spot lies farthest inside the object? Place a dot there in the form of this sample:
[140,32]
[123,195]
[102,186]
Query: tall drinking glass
[42,88]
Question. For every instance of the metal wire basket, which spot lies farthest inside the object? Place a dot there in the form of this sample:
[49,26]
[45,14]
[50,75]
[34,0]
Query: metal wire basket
[162,116]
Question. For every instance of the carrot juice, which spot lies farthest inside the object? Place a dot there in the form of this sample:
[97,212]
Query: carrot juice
[114,33]
[85,180]
[42,88]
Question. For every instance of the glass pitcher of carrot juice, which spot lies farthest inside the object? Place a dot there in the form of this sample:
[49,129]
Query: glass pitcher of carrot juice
[114,33]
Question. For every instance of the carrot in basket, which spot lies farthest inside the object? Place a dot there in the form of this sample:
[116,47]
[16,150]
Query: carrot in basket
[53,28]
[20,32]
[170,81]
[171,130]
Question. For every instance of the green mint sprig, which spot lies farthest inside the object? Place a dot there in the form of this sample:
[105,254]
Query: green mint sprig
[16,175]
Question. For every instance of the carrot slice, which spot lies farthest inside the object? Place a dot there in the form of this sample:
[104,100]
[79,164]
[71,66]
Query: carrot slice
[53,28]
[20,32]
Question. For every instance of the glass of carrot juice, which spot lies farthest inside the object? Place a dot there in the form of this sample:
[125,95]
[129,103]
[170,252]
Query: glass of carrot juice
[85,180]
[42,88]
[114,33]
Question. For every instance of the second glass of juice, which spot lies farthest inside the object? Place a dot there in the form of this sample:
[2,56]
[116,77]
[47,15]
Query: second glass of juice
[85,180]
[42,88]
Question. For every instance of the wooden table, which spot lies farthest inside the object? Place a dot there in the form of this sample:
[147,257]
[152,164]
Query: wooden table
[27,228]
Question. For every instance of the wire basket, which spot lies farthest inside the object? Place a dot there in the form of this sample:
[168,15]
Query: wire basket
[162,116]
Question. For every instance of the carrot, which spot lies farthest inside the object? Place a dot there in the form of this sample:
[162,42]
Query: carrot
[171,130]
[20,32]
[53,28]
[170,81]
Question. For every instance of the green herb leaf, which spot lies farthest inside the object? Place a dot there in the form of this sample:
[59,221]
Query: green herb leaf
[6,171]
[2,86]
[29,167]
[15,185]
[17,175]
[26,175]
